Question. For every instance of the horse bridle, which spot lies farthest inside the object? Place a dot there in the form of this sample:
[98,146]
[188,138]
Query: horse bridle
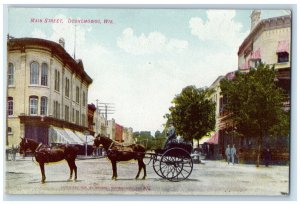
[38,147]
[111,144]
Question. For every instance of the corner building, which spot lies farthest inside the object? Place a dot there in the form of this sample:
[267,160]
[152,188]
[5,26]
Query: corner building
[46,93]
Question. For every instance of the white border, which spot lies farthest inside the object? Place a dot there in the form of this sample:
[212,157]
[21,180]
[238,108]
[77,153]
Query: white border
[165,4]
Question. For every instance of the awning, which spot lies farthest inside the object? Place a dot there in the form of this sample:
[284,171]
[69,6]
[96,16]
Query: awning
[283,46]
[245,66]
[255,55]
[214,139]
[230,75]
[58,135]
[90,139]
[204,139]
[77,139]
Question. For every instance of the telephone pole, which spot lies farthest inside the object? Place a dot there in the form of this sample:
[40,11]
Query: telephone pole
[104,109]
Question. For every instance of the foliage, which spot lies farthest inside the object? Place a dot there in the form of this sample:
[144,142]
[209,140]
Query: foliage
[193,113]
[254,102]
[151,143]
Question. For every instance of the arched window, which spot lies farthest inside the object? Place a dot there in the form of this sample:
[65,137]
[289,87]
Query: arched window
[10,74]
[10,106]
[77,94]
[44,105]
[34,73]
[33,105]
[67,87]
[44,75]
[57,80]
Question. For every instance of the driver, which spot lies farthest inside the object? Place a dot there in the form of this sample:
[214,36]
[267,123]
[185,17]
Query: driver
[170,133]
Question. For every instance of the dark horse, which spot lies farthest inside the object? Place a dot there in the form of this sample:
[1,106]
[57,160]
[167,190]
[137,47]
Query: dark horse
[116,152]
[46,154]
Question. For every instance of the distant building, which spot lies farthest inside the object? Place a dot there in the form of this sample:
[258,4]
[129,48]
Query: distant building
[128,135]
[91,122]
[119,133]
[111,129]
[47,92]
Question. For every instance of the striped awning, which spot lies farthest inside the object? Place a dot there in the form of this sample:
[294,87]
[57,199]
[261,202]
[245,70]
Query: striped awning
[59,136]
[255,55]
[244,66]
[214,139]
[77,139]
[283,46]
[204,139]
[84,138]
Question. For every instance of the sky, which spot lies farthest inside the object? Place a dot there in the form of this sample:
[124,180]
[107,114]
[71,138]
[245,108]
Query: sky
[142,58]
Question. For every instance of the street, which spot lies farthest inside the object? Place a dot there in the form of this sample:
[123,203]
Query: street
[94,177]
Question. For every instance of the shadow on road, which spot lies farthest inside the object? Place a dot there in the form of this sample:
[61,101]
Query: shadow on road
[47,182]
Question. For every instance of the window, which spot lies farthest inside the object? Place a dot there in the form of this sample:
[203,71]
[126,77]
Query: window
[83,98]
[67,87]
[10,74]
[44,102]
[77,117]
[56,109]
[77,94]
[44,76]
[57,80]
[33,105]
[10,106]
[73,115]
[255,63]
[83,120]
[66,113]
[34,73]
[9,130]
[283,57]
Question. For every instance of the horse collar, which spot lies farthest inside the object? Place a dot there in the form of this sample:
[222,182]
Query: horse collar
[38,147]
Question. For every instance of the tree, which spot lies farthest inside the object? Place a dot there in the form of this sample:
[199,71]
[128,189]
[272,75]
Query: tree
[254,102]
[193,113]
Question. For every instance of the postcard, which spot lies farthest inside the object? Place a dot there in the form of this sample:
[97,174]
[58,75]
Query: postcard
[148,101]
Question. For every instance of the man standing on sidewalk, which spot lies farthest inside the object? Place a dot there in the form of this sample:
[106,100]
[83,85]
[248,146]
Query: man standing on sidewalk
[233,153]
[227,153]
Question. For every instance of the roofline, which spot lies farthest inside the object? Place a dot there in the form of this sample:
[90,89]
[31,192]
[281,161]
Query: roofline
[256,29]
[55,48]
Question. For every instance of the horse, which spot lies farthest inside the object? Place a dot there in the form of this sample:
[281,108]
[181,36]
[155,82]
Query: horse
[45,154]
[117,152]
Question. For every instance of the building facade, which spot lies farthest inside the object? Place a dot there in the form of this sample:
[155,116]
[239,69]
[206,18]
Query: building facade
[111,129]
[268,42]
[46,92]
[128,135]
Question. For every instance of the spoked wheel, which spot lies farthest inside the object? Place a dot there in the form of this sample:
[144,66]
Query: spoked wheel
[156,165]
[176,164]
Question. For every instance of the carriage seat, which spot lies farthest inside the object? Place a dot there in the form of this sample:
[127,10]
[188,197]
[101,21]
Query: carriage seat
[187,146]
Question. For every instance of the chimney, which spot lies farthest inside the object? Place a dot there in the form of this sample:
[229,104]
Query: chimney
[61,41]
[255,18]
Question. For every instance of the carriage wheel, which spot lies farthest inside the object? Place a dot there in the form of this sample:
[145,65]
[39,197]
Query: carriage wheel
[176,164]
[156,165]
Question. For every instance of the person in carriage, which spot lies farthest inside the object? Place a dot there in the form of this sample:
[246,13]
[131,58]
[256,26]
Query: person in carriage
[171,134]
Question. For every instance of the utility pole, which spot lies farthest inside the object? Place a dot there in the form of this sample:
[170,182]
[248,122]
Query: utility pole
[106,109]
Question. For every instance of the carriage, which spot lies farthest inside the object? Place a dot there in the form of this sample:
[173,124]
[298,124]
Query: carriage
[174,162]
